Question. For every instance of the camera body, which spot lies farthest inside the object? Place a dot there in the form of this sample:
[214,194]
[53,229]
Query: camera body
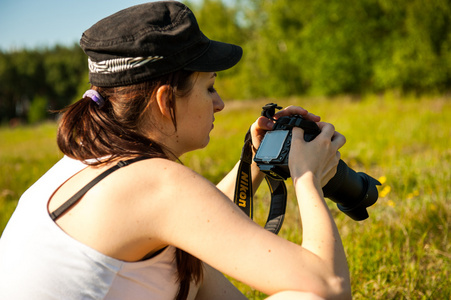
[353,192]
[272,155]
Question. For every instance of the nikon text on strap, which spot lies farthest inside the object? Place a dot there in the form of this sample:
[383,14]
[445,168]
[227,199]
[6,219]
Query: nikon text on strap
[243,196]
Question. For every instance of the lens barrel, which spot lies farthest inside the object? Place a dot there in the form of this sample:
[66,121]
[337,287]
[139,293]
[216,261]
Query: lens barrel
[353,192]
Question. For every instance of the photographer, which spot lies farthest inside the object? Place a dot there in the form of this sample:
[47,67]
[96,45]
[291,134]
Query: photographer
[120,218]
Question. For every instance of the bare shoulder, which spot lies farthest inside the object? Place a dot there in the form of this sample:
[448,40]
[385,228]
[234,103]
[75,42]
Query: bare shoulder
[167,202]
[141,203]
[170,202]
[161,184]
[161,173]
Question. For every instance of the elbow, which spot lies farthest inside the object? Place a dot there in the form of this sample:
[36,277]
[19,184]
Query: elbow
[335,288]
[338,288]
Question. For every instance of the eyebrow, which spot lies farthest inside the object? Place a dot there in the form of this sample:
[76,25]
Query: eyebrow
[214,75]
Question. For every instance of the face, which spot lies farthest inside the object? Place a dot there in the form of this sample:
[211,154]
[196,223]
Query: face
[195,113]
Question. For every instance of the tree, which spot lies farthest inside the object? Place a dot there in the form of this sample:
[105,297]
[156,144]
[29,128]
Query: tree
[219,21]
[64,70]
[416,53]
[45,76]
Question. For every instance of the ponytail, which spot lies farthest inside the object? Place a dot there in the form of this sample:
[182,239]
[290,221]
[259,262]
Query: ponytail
[113,129]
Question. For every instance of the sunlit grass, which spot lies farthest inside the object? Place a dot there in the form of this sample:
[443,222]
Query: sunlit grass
[25,154]
[401,252]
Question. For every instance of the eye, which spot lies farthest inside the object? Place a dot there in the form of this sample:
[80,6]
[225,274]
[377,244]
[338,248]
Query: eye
[212,90]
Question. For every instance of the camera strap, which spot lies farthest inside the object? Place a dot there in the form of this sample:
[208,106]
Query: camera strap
[243,196]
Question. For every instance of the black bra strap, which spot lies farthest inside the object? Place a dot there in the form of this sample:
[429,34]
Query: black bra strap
[74,199]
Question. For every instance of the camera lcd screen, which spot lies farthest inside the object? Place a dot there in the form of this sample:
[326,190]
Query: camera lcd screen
[271,145]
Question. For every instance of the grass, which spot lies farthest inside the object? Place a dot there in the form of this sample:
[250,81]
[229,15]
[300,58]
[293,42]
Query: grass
[401,252]
[25,155]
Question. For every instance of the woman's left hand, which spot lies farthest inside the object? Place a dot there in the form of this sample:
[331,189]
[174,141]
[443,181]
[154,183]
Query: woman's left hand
[263,124]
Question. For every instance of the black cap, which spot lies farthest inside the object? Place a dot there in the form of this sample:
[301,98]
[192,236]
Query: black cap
[149,40]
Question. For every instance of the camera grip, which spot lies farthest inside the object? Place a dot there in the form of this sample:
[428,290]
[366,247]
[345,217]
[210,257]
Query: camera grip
[311,129]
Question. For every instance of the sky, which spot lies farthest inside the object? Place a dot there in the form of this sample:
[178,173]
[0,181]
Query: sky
[44,23]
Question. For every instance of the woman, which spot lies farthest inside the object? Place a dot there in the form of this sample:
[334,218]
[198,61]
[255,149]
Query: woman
[149,227]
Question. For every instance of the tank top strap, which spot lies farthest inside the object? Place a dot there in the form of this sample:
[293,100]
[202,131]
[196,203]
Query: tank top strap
[77,196]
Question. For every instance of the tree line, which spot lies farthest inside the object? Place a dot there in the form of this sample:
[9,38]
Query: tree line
[33,82]
[301,47]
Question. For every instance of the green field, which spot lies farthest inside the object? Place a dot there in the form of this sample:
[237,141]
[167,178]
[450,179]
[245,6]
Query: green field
[402,251]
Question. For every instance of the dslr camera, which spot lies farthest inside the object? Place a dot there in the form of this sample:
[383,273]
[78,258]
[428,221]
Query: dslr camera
[353,192]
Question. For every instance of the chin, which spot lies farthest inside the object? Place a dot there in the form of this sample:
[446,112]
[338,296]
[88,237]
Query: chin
[205,143]
[200,145]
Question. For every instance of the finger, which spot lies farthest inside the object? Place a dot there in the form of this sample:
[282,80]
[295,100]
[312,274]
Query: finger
[297,110]
[328,176]
[312,117]
[298,133]
[326,129]
[338,139]
[291,110]
[333,170]
[264,123]
[259,129]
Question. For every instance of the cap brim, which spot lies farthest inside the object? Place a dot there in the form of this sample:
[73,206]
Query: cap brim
[218,57]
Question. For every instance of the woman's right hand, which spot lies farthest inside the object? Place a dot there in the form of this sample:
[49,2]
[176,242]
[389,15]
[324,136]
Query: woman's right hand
[319,157]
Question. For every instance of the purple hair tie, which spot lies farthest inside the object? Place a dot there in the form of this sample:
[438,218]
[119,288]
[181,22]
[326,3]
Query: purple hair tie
[95,96]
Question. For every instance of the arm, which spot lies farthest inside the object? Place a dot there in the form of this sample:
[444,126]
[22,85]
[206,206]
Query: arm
[227,184]
[312,206]
[216,286]
[258,130]
[208,225]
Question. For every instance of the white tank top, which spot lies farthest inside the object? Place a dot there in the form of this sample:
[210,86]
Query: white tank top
[38,260]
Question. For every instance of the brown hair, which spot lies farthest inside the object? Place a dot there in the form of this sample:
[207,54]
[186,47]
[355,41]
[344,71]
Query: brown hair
[114,130]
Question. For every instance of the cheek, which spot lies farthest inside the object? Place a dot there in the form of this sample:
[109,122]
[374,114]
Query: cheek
[203,113]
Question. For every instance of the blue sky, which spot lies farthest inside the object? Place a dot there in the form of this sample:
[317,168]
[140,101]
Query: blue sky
[43,23]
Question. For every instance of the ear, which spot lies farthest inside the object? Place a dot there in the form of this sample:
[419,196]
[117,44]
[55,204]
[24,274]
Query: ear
[163,101]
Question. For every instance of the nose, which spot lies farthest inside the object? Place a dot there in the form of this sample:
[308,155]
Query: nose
[218,104]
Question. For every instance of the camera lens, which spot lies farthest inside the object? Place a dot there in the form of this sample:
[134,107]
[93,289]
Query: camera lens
[353,192]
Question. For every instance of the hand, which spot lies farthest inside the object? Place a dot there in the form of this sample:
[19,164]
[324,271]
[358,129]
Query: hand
[319,157]
[263,124]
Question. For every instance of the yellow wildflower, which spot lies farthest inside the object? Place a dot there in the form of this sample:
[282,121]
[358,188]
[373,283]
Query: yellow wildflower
[413,194]
[385,191]
[382,179]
